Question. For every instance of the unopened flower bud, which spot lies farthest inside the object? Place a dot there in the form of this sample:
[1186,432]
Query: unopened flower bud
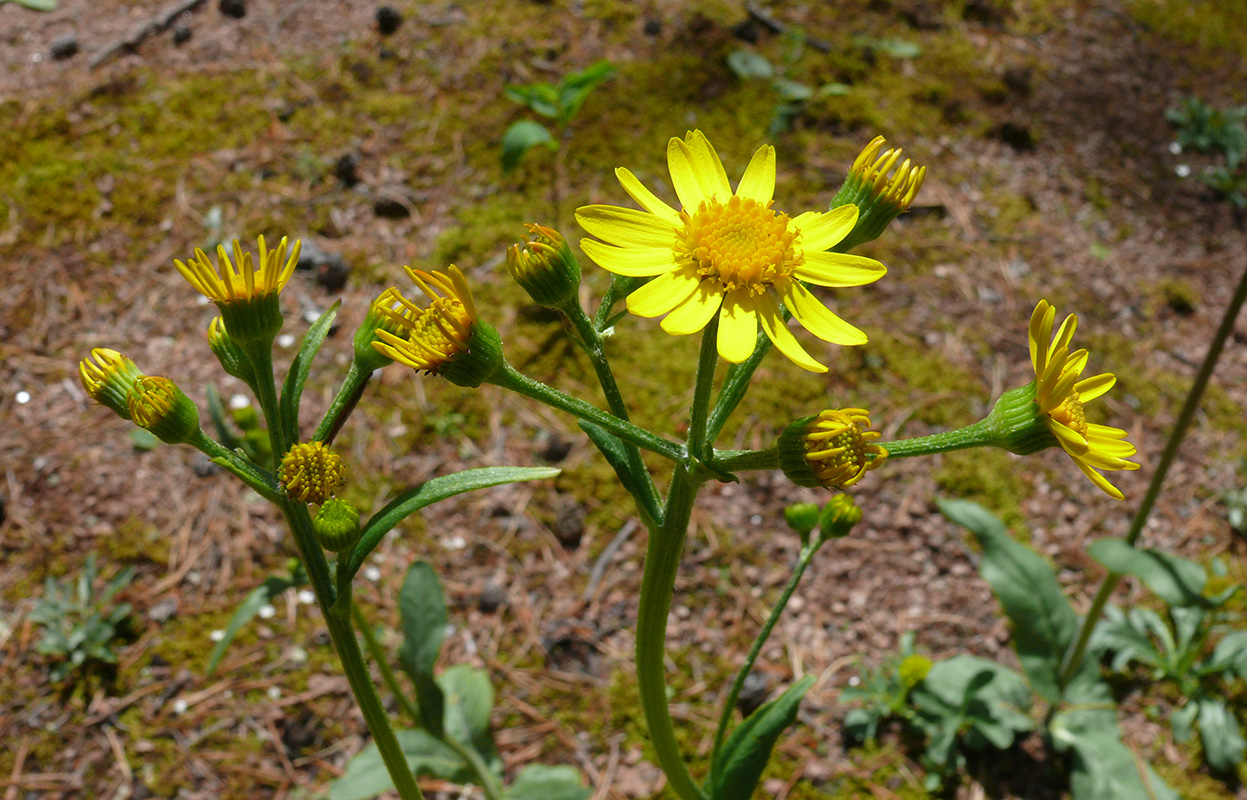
[109,379]
[832,450]
[336,525]
[802,518]
[246,289]
[157,404]
[231,356]
[838,517]
[913,670]
[311,472]
[879,193]
[545,267]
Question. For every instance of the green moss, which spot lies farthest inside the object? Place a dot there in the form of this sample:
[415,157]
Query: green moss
[944,393]
[990,477]
[135,541]
[1178,296]
[1212,28]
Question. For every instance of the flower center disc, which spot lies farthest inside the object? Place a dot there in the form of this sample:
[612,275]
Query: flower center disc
[1070,413]
[741,244]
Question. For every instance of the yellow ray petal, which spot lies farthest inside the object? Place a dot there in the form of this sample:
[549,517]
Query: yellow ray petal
[1076,362]
[1065,334]
[781,337]
[696,312]
[758,182]
[1093,387]
[1041,335]
[645,198]
[820,231]
[636,262]
[683,177]
[738,326]
[816,317]
[1071,440]
[707,167]
[839,269]
[1100,481]
[1104,432]
[626,226]
[662,294]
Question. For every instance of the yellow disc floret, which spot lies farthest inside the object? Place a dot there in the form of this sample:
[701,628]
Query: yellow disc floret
[740,244]
[311,472]
[839,449]
[427,339]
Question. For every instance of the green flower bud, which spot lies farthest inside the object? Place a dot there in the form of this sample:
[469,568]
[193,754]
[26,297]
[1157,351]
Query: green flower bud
[109,379]
[802,518]
[336,525]
[832,450]
[158,405]
[311,472]
[913,670]
[838,517]
[233,359]
[879,197]
[545,267]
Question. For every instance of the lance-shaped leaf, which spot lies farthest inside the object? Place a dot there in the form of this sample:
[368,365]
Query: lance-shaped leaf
[423,611]
[300,368]
[749,747]
[260,596]
[1175,580]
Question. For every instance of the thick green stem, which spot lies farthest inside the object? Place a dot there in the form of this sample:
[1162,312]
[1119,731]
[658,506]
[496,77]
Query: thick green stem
[725,716]
[662,561]
[486,779]
[352,389]
[261,358]
[1074,657]
[509,378]
[977,435]
[342,635]
[707,359]
[744,460]
[591,342]
[734,387]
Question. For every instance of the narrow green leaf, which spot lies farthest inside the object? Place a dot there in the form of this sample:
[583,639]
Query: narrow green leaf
[1103,767]
[575,88]
[749,747]
[539,782]
[748,64]
[300,368]
[1219,733]
[436,489]
[542,98]
[260,596]
[522,136]
[423,610]
[1044,623]
[367,777]
[1175,580]
[1230,654]
[37,5]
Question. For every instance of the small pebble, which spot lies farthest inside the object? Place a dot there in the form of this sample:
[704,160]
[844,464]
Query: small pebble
[179,706]
[390,208]
[274,693]
[346,170]
[233,8]
[492,597]
[753,693]
[307,597]
[1175,148]
[216,636]
[372,574]
[239,401]
[267,611]
[64,47]
[1183,170]
[285,341]
[22,398]
[181,34]
[388,20]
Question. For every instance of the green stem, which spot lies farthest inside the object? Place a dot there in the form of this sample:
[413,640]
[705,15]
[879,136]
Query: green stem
[509,378]
[735,385]
[347,646]
[620,287]
[743,460]
[591,342]
[352,389]
[261,480]
[707,359]
[261,357]
[725,716]
[977,435]
[487,780]
[662,561]
[1074,657]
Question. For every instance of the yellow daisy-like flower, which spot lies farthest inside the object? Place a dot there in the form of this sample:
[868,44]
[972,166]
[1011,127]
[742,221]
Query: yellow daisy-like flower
[242,278]
[427,339]
[728,254]
[833,449]
[1060,395]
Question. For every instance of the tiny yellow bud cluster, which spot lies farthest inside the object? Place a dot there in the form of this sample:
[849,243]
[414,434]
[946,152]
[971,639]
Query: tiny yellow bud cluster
[913,670]
[311,472]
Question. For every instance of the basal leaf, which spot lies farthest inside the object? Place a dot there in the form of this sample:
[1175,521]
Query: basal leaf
[522,136]
[1175,580]
[749,747]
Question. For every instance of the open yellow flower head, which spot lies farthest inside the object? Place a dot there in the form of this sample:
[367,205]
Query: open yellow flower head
[157,404]
[443,338]
[728,254]
[545,267]
[311,472]
[245,288]
[1060,393]
[109,379]
[833,450]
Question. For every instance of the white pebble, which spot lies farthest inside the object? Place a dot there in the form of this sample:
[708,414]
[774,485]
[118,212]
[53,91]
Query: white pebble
[274,693]
[307,597]
[22,398]
[454,543]
[179,706]
[216,636]
[854,680]
[267,611]
[285,340]
[372,574]
[1175,148]
[756,519]
[239,401]
[1183,170]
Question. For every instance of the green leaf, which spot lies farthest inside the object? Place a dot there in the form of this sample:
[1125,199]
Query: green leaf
[792,91]
[300,368]
[1175,580]
[1219,733]
[260,596]
[615,453]
[142,439]
[1103,767]
[1043,621]
[469,700]
[1230,654]
[539,782]
[540,97]
[986,696]
[748,64]
[436,489]
[521,136]
[423,610]
[749,747]
[37,5]
[576,87]
[366,775]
